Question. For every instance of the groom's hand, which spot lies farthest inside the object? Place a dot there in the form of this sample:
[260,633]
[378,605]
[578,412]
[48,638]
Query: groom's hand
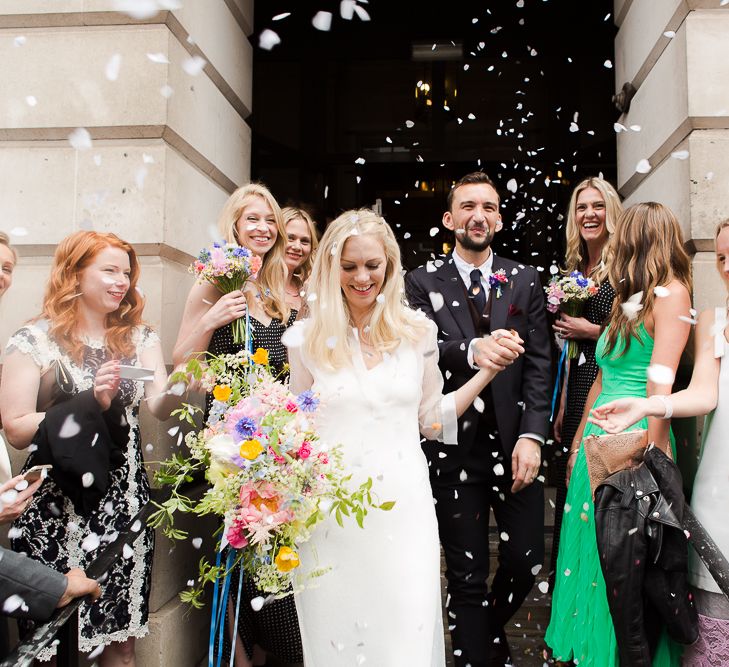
[497,351]
[525,462]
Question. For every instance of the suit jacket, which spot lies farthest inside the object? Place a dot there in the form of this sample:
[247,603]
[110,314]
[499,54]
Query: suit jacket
[520,392]
[39,587]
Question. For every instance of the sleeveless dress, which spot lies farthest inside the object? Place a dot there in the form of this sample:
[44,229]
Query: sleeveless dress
[581,628]
[379,604]
[709,503]
[51,532]
[582,374]
[274,627]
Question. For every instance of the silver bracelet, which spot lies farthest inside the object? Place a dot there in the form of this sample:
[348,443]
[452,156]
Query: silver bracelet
[667,405]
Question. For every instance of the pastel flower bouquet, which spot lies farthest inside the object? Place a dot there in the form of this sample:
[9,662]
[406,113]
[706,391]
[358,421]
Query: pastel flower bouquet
[568,293]
[272,479]
[228,267]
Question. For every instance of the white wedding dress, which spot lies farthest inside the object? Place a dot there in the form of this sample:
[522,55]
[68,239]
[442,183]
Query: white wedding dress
[380,603]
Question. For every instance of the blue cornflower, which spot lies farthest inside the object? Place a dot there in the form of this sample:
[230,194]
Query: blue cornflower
[307,400]
[240,252]
[245,428]
[579,278]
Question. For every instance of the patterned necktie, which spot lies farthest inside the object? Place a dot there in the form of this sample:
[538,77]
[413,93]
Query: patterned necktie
[476,291]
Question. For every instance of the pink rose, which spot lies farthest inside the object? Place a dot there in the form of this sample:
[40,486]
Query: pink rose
[322,456]
[291,407]
[305,450]
[236,536]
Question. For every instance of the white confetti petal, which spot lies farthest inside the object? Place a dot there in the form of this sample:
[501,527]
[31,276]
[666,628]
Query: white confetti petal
[96,653]
[511,186]
[331,342]
[177,389]
[173,431]
[670,34]
[80,139]
[91,542]
[197,542]
[680,155]
[111,71]
[608,64]
[20,40]
[661,291]
[499,470]
[159,58]
[543,587]
[127,552]
[660,374]
[643,167]
[268,39]
[194,65]
[436,300]
[31,101]
[257,603]
[409,124]
[434,231]
[635,128]
[479,404]
[536,569]
[574,127]
[18,231]
[87,479]
[280,17]
[322,21]
[380,298]
[463,475]
[504,536]
[166,91]
[618,127]
[12,603]
[70,428]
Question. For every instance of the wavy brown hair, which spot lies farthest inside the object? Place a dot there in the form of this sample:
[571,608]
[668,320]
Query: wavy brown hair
[292,213]
[645,252]
[61,303]
[272,276]
[576,250]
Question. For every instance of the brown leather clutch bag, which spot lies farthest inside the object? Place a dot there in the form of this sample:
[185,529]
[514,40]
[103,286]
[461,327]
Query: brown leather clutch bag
[609,453]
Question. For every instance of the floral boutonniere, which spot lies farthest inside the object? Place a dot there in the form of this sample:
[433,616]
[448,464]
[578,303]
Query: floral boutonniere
[496,280]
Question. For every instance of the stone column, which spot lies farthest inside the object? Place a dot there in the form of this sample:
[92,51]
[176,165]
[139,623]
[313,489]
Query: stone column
[164,99]
[676,55]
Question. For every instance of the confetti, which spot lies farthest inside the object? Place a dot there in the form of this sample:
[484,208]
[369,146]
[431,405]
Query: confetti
[661,291]
[380,298]
[479,404]
[111,70]
[166,91]
[80,139]
[618,127]
[608,64]
[20,40]
[499,470]
[197,542]
[543,587]
[127,552]
[193,66]
[87,479]
[70,428]
[670,34]
[511,186]
[18,231]
[504,536]
[536,569]
[280,17]
[257,603]
[434,231]
[268,39]
[436,300]
[31,101]
[159,58]
[680,155]
[12,603]
[331,342]
[322,21]
[91,542]
[643,167]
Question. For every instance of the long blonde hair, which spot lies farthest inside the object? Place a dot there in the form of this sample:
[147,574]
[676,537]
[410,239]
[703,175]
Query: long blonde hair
[645,252]
[576,256]
[272,276]
[292,213]
[391,319]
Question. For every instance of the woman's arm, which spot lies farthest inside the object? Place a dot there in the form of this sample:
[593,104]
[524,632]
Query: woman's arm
[579,433]
[699,398]
[670,334]
[160,400]
[19,398]
[205,311]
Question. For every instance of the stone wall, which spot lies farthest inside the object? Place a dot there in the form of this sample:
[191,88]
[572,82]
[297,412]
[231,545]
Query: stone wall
[170,141]
[676,54]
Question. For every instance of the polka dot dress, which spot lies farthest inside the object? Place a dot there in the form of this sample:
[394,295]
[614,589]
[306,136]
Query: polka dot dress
[581,377]
[275,627]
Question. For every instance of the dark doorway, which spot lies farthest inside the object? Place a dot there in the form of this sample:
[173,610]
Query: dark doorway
[393,110]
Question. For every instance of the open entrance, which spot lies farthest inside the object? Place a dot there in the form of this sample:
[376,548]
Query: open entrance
[390,112]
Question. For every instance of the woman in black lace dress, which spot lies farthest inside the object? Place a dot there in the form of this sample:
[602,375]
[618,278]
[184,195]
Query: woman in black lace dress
[91,323]
[252,218]
[593,209]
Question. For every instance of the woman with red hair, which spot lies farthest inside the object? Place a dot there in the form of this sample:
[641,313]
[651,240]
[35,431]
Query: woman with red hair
[90,325]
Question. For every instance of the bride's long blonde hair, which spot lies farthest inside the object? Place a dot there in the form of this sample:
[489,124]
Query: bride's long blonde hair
[391,319]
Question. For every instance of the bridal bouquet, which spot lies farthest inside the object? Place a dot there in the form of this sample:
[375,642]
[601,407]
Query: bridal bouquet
[227,267]
[271,477]
[568,294]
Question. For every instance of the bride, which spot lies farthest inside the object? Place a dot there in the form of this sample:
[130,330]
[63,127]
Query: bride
[373,363]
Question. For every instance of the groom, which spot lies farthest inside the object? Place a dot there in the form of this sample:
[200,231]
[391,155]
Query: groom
[495,465]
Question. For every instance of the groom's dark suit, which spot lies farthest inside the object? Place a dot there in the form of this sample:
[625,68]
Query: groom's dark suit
[475,476]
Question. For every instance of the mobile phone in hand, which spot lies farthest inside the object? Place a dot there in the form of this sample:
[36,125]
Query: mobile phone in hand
[135,373]
[37,472]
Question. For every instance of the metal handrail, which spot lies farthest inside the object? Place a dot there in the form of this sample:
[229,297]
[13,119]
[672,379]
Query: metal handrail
[64,621]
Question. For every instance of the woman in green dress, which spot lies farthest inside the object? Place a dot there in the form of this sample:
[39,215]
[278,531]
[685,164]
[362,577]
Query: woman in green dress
[637,354]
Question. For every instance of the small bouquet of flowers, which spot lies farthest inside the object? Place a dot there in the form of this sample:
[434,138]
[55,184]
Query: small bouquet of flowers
[227,267]
[271,477]
[568,293]
[496,280]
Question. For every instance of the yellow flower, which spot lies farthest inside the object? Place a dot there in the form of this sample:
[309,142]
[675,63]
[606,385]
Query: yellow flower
[222,392]
[250,449]
[286,559]
[260,357]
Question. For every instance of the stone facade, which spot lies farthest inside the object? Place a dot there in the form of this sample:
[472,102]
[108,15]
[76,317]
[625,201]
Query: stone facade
[168,145]
[681,105]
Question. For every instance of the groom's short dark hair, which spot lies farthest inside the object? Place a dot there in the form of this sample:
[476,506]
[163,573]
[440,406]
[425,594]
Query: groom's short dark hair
[474,178]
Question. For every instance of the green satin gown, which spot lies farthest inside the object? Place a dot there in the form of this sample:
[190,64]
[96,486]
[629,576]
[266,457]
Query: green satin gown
[580,627]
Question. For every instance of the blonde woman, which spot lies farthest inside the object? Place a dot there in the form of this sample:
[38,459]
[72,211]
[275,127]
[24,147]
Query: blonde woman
[591,216]
[301,242]
[252,218]
[707,393]
[651,275]
[373,363]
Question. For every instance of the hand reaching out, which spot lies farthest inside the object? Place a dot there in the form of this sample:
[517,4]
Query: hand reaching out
[618,415]
[106,383]
[14,502]
[77,586]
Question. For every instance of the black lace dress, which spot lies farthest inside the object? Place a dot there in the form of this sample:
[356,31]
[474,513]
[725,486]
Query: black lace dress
[275,627]
[51,532]
[582,374]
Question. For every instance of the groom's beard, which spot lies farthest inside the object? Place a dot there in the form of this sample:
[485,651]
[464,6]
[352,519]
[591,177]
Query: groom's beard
[469,243]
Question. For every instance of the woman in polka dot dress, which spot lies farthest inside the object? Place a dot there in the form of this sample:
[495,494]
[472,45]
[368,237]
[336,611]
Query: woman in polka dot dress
[252,218]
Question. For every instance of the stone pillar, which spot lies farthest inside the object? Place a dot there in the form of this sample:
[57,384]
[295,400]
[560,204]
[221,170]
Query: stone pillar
[169,143]
[676,54]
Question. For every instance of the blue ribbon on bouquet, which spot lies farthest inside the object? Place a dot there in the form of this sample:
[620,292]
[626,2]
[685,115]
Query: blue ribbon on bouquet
[560,367]
[217,616]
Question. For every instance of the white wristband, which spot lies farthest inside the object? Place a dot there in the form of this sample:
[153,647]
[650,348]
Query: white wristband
[667,405]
